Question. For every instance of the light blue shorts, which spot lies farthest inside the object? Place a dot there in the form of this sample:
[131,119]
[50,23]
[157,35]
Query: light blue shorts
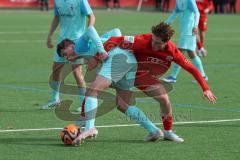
[187,42]
[120,68]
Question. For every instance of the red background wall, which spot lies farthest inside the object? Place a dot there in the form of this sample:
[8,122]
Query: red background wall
[93,3]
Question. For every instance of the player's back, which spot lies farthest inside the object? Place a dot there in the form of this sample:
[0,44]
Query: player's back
[157,62]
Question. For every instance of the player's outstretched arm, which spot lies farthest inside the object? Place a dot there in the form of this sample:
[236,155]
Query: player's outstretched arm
[180,59]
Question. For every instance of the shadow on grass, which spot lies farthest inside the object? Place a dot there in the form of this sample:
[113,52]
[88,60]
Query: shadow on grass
[212,125]
[32,141]
[43,141]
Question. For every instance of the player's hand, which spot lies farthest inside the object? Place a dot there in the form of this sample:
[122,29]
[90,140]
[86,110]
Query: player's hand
[102,56]
[92,63]
[195,31]
[210,96]
[72,58]
[49,43]
[206,10]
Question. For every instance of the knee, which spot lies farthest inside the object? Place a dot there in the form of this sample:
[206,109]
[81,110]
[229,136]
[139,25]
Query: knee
[192,54]
[121,107]
[163,98]
[91,92]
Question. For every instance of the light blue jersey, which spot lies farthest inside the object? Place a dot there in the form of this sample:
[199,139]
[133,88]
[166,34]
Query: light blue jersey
[120,66]
[189,16]
[72,17]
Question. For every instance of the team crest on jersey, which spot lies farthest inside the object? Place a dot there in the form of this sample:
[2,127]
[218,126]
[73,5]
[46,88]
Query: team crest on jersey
[129,39]
[127,42]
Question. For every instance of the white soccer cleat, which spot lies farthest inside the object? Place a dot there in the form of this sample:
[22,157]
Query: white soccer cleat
[154,136]
[91,133]
[51,105]
[171,136]
[202,52]
[170,79]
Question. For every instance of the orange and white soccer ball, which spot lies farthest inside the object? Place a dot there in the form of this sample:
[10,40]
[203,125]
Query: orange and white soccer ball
[69,133]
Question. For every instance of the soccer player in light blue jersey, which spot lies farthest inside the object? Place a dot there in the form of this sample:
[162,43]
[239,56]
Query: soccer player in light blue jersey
[189,18]
[71,16]
[119,70]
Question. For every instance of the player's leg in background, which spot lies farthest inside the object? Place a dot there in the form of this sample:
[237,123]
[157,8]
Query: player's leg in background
[174,73]
[78,75]
[124,99]
[202,27]
[56,80]
[197,62]
[41,5]
[201,51]
[107,5]
[116,4]
[55,85]
[47,5]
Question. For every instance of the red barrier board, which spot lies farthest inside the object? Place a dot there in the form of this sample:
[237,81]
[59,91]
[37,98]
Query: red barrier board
[93,3]
[21,3]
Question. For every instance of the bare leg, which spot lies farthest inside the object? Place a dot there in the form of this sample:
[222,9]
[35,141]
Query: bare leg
[159,93]
[77,72]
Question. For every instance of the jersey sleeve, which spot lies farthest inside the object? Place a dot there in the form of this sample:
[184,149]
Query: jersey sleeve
[181,60]
[85,7]
[131,43]
[194,9]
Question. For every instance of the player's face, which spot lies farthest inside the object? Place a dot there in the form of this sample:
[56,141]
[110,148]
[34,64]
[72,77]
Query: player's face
[157,43]
[68,51]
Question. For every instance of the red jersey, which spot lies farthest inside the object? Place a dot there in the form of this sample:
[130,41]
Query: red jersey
[204,4]
[155,62]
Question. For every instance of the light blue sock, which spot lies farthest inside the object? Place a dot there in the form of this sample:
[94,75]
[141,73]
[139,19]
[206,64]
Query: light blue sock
[55,85]
[136,114]
[91,105]
[82,92]
[93,35]
[198,63]
[175,71]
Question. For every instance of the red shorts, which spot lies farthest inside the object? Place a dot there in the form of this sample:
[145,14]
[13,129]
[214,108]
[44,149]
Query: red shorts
[144,80]
[202,25]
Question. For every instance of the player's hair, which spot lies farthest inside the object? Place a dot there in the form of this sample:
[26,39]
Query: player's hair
[163,30]
[63,45]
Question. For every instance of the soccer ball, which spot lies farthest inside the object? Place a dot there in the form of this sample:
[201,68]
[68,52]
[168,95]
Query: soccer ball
[69,133]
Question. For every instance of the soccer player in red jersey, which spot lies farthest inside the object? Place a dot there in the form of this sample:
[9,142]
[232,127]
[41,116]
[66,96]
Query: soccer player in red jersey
[204,7]
[154,53]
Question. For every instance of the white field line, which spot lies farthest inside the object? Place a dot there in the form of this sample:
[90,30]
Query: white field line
[123,125]
[25,32]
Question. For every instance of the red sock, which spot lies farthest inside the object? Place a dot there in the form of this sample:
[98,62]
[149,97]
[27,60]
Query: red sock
[167,123]
[83,108]
[199,45]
